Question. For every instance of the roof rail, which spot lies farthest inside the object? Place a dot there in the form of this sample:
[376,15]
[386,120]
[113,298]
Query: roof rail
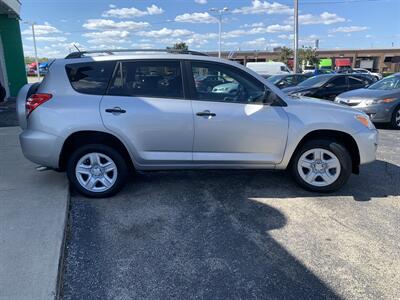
[80,54]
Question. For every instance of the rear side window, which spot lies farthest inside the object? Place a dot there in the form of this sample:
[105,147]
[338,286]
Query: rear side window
[155,78]
[90,78]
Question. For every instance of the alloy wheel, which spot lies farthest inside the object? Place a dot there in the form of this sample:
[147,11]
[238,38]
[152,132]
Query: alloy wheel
[96,172]
[319,167]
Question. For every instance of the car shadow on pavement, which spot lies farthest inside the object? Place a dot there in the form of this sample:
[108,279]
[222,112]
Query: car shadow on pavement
[183,235]
[198,234]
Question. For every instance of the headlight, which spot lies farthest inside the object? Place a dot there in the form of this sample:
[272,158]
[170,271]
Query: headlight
[378,101]
[363,119]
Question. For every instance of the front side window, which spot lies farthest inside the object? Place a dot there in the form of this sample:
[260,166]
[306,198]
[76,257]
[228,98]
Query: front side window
[340,81]
[159,79]
[232,85]
[90,78]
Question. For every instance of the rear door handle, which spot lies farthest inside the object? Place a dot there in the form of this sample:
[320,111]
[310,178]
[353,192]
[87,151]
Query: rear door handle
[115,110]
[205,113]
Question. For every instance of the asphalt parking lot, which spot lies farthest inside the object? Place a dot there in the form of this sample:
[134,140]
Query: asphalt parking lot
[239,234]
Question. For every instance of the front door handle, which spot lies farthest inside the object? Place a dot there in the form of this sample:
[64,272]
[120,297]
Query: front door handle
[205,113]
[115,110]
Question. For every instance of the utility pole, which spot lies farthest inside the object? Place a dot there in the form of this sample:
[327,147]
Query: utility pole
[220,14]
[34,45]
[296,35]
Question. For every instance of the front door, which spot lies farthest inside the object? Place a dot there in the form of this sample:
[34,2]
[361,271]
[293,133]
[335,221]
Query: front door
[232,125]
[145,105]
[333,88]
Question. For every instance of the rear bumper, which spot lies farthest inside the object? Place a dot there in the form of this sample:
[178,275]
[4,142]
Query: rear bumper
[40,147]
[367,142]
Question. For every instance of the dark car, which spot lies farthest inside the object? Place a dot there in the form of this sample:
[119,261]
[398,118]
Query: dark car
[328,86]
[206,83]
[288,80]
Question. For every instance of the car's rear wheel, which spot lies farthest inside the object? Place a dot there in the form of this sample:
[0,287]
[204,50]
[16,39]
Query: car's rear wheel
[97,171]
[396,118]
[321,165]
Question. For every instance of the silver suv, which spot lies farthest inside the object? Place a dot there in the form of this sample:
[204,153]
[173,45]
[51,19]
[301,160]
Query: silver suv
[97,117]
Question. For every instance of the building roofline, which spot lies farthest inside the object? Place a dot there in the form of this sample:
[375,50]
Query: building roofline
[319,50]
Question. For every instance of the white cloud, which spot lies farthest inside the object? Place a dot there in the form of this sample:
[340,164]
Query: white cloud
[112,6]
[252,25]
[196,18]
[165,32]
[325,18]
[42,30]
[264,7]
[258,30]
[48,38]
[286,36]
[108,36]
[103,24]
[142,46]
[201,1]
[133,12]
[349,29]
[260,43]
[154,10]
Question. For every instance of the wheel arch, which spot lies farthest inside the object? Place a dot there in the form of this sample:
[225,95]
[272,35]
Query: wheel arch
[86,137]
[344,138]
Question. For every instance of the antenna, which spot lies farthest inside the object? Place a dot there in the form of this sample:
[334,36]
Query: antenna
[77,48]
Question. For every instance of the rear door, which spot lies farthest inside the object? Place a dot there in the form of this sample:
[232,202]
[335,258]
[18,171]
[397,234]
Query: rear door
[232,125]
[146,106]
[358,82]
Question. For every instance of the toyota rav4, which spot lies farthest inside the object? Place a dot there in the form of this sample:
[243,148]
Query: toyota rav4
[99,115]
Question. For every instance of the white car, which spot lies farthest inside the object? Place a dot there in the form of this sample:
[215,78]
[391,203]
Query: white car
[378,76]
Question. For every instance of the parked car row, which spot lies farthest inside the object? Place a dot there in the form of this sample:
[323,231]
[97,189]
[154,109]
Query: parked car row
[352,87]
[380,101]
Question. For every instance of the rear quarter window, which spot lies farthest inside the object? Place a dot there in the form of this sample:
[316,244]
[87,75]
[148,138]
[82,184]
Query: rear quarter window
[90,78]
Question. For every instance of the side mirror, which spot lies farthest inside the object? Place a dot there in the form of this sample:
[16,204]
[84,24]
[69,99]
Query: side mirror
[266,99]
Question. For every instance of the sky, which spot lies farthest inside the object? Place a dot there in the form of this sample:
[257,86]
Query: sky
[246,24]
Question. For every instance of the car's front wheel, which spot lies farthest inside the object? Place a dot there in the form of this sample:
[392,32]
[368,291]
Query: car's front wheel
[96,170]
[321,165]
[396,118]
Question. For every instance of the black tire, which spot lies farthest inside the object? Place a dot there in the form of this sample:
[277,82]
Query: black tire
[118,159]
[338,150]
[393,122]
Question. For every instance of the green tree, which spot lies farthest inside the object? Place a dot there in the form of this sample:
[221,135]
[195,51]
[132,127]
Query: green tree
[309,56]
[285,55]
[179,46]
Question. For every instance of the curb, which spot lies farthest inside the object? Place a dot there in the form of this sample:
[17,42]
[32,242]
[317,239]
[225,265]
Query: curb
[59,282]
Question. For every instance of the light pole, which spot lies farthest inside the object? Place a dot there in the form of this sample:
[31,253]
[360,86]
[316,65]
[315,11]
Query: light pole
[220,13]
[296,35]
[34,46]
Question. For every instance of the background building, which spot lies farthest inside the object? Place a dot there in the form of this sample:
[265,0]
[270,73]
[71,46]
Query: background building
[378,60]
[12,66]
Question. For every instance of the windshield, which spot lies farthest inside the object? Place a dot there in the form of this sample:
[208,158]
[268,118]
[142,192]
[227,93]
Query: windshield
[388,83]
[315,81]
[275,79]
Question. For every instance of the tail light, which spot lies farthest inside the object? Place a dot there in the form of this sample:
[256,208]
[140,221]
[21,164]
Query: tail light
[36,100]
